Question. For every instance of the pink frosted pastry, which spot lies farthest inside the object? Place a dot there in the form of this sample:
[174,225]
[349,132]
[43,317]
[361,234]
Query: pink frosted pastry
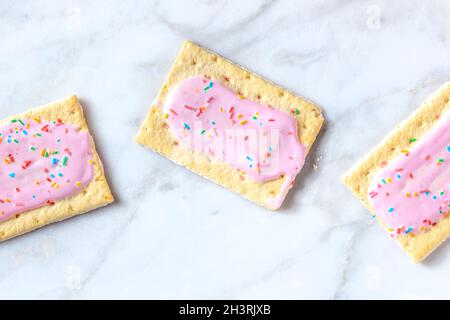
[231,126]
[405,181]
[49,169]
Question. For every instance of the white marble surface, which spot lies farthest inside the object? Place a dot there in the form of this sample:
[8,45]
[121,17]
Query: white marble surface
[172,234]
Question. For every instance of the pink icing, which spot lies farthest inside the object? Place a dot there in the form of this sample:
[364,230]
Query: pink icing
[257,140]
[41,162]
[412,193]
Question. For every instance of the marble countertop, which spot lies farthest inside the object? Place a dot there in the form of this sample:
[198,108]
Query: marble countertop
[172,234]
